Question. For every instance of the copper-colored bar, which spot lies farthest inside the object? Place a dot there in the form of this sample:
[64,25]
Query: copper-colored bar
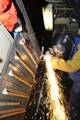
[15,68]
[9,97]
[10,81]
[5,103]
[12,110]
[29,54]
[11,114]
[23,81]
[18,94]
[20,78]
[27,68]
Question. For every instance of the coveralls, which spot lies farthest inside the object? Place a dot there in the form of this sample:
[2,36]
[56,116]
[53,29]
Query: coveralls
[8,14]
[72,66]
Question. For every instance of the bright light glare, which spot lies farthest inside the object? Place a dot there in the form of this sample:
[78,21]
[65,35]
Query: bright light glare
[55,95]
[5,92]
[16,57]
[10,73]
[48,17]
[22,41]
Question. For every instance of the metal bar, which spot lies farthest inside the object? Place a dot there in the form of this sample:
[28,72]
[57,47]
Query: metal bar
[8,97]
[16,94]
[14,68]
[6,44]
[30,54]
[28,26]
[25,65]
[12,82]
[10,103]
[21,80]
[25,16]
[36,95]
[12,112]
[39,99]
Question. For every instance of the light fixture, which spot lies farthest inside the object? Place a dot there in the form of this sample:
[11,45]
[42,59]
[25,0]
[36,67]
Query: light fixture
[48,16]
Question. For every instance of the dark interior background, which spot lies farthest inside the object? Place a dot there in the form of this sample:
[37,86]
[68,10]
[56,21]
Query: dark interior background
[34,10]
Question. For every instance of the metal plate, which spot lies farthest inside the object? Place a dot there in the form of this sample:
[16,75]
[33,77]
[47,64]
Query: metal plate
[6,42]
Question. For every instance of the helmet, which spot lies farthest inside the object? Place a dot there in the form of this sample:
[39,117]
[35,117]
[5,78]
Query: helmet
[59,49]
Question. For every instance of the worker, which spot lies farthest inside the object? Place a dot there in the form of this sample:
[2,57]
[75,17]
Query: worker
[8,14]
[71,66]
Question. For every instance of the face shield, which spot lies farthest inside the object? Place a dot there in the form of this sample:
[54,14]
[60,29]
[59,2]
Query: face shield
[59,50]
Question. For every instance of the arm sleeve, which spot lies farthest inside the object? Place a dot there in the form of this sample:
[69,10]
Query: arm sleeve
[9,18]
[4,4]
[67,66]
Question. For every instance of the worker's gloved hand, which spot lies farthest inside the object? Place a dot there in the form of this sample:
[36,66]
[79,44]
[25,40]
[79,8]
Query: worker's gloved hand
[51,60]
[54,62]
[51,51]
